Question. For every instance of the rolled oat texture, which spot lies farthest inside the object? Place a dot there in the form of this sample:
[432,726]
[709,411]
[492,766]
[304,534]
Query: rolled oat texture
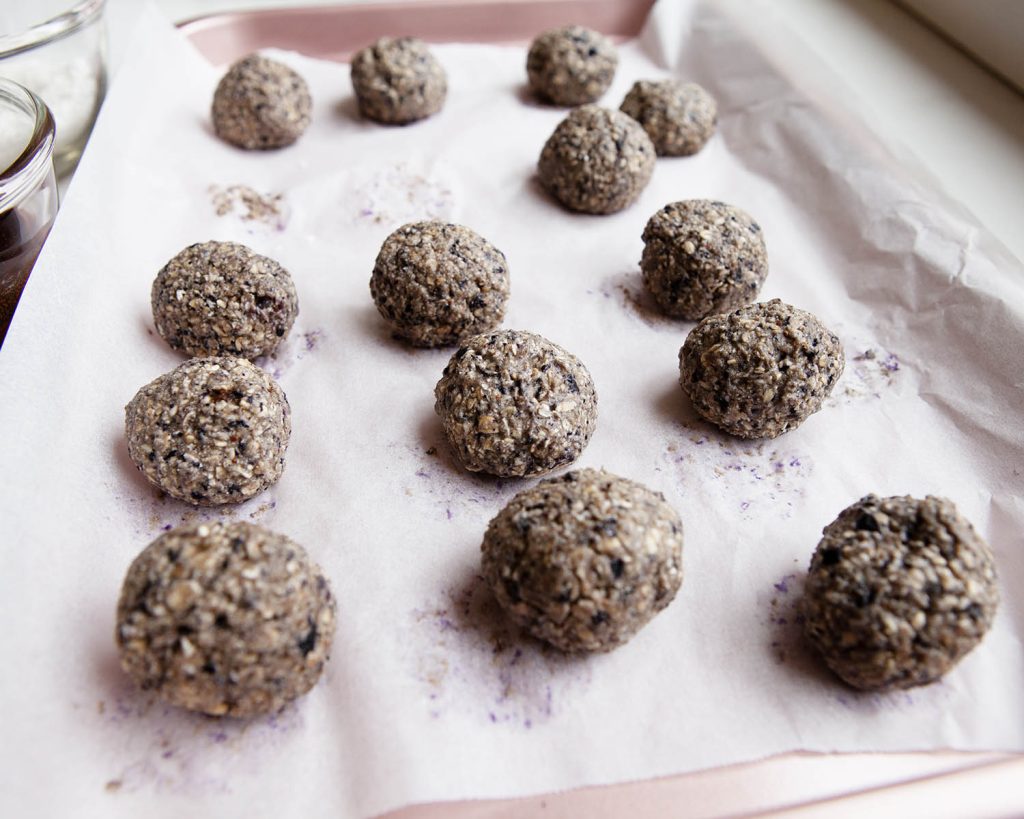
[210,432]
[761,370]
[571,65]
[513,404]
[436,283]
[702,257]
[899,590]
[596,161]
[227,619]
[398,81]
[221,298]
[678,117]
[261,104]
[585,560]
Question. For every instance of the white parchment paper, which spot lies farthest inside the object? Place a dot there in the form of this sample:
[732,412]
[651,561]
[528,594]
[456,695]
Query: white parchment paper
[429,695]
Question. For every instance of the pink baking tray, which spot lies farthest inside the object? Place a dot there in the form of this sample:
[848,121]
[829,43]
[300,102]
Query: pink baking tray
[935,785]
[333,33]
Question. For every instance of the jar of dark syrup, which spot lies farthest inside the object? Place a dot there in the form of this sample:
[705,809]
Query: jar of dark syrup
[28,190]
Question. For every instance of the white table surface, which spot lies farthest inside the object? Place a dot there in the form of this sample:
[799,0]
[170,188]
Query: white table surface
[965,126]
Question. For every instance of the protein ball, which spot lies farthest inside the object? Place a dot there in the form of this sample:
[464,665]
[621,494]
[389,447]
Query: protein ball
[899,590]
[702,257]
[760,370]
[597,160]
[678,117]
[585,560]
[225,618]
[261,104]
[221,298]
[212,431]
[513,404]
[436,284]
[571,65]
[398,80]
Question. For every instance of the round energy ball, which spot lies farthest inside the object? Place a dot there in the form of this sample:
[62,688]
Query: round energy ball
[678,117]
[260,104]
[514,404]
[760,370]
[436,283]
[398,81]
[585,560]
[899,590]
[227,619]
[212,431]
[702,257]
[221,298]
[597,160]
[571,65]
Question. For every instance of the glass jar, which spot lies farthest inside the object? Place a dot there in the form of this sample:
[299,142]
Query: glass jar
[60,54]
[28,190]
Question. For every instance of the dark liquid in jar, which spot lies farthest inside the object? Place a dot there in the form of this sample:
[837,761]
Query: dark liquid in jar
[21,238]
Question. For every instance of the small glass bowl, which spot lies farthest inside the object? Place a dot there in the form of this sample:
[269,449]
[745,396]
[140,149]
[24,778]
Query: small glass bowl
[28,190]
[63,60]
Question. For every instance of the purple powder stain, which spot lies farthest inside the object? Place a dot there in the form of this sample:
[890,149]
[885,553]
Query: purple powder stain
[313,339]
[762,478]
[784,621]
[166,527]
[445,623]
[871,372]
[451,493]
[467,651]
[296,347]
[163,750]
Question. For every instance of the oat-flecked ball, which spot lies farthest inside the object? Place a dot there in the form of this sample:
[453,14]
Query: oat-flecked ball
[211,431]
[227,619]
[261,104]
[398,81]
[760,370]
[514,404]
[899,590]
[571,65]
[221,298]
[585,560]
[678,117]
[597,160]
[436,283]
[702,257]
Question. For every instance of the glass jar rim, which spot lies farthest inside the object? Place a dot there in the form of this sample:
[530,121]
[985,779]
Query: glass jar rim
[56,28]
[35,159]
